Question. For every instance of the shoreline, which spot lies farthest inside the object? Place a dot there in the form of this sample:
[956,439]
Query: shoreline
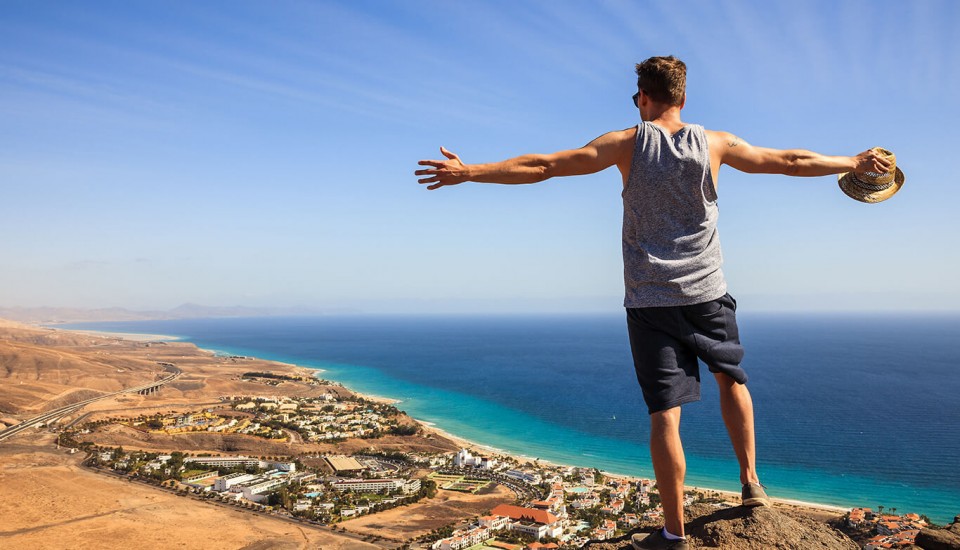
[132,336]
[431,427]
[522,459]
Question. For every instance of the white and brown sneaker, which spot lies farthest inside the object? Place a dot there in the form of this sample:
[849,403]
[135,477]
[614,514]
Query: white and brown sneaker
[753,494]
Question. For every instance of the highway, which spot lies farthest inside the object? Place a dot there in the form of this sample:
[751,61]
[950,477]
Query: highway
[73,407]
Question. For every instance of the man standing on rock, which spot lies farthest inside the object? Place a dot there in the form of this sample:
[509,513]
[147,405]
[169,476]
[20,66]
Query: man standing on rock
[678,308]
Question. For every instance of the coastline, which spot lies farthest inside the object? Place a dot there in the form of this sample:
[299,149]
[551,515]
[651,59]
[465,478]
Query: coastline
[474,446]
[731,496]
[132,336]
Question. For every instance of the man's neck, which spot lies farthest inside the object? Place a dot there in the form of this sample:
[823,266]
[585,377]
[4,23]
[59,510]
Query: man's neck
[668,119]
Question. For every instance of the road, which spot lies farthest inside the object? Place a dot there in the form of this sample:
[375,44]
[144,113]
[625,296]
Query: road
[73,407]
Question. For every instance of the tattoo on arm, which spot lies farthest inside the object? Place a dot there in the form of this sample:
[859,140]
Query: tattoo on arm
[734,141]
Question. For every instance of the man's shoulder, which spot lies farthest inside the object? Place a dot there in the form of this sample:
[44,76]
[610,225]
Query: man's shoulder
[625,134]
[623,138]
[716,134]
[719,140]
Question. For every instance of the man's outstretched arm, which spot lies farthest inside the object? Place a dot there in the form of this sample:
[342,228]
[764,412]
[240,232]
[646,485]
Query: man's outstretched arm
[791,162]
[599,154]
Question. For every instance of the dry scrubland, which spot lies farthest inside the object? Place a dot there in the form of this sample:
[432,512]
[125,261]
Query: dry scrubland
[43,369]
[59,504]
[401,524]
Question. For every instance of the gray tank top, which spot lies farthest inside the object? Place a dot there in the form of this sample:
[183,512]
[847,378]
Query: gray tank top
[671,248]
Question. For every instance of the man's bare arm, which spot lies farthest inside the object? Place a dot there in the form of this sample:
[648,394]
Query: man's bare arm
[599,154]
[791,162]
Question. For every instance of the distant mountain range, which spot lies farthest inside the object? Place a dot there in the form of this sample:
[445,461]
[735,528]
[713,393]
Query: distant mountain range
[55,315]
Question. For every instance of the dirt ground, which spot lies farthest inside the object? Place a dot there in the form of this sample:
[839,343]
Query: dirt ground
[52,503]
[409,522]
[41,369]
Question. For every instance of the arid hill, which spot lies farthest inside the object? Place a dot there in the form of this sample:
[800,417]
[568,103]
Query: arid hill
[44,369]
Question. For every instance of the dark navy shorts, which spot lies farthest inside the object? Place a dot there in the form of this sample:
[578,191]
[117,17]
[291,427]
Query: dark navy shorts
[667,343]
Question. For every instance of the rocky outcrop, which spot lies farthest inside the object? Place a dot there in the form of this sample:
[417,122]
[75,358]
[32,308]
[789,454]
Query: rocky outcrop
[941,539]
[760,528]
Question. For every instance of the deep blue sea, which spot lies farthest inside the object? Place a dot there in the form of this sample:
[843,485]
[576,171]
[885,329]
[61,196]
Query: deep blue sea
[851,410]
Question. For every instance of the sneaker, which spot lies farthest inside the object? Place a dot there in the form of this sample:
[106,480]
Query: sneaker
[753,494]
[656,541]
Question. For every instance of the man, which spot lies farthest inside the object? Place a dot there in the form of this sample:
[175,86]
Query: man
[678,309]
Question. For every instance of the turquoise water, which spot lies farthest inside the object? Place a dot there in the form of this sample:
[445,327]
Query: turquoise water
[845,415]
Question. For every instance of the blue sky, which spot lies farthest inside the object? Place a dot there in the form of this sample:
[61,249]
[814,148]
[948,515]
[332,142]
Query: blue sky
[262,153]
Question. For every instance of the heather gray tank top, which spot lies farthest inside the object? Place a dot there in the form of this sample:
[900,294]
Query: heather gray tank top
[671,248]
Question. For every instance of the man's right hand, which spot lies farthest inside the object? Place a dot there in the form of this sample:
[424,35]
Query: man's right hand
[444,172]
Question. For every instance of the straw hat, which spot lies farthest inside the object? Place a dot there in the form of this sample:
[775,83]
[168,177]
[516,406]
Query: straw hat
[871,186]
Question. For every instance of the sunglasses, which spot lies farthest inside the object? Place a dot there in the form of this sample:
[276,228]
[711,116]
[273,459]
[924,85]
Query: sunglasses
[635,98]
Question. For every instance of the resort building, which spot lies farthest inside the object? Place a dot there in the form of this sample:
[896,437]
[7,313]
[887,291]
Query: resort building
[494,523]
[531,521]
[376,485]
[344,465]
[224,483]
[605,531]
[464,459]
[259,489]
[240,462]
[535,530]
[526,477]
[463,539]
[224,461]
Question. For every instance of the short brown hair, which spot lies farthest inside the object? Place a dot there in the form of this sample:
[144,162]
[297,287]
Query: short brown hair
[664,79]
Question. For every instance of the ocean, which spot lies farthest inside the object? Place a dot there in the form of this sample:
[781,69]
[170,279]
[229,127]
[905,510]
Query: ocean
[851,410]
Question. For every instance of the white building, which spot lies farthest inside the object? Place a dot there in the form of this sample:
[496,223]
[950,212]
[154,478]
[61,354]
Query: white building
[258,489]
[376,485]
[224,461]
[526,477]
[494,523]
[463,539]
[240,462]
[464,458]
[224,483]
[536,530]
[282,466]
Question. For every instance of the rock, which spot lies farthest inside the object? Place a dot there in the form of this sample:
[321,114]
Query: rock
[760,528]
[939,539]
[955,526]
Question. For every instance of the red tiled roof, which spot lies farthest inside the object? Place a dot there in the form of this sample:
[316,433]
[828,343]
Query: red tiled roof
[519,512]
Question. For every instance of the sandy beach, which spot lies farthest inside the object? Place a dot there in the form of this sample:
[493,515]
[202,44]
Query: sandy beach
[132,336]
[731,496]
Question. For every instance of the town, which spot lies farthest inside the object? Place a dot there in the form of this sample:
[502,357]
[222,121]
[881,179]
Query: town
[555,507]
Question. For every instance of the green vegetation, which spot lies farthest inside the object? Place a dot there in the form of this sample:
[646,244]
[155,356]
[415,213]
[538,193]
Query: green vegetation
[404,429]
[271,376]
